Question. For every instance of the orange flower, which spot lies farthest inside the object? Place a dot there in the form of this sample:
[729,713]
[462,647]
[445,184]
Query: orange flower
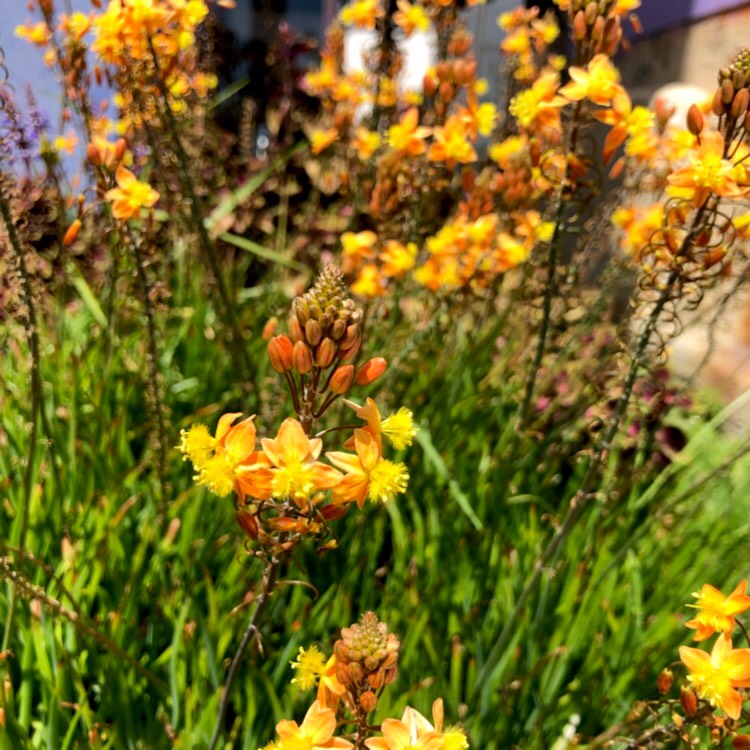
[414,731]
[320,140]
[368,474]
[227,461]
[365,143]
[407,136]
[357,248]
[130,196]
[599,82]
[410,17]
[37,33]
[716,612]
[708,172]
[361,13]
[316,731]
[715,677]
[295,471]
[539,105]
[451,144]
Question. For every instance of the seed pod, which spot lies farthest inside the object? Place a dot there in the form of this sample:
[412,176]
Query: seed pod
[302,358]
[370,371]
[313,332]
[72,233]
[281,353]
[342,379]
[695,120]
[325,353]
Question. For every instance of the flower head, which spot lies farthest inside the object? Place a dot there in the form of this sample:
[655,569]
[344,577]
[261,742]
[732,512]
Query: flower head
[316,731]
[716,612]
[716,677]
[130,196]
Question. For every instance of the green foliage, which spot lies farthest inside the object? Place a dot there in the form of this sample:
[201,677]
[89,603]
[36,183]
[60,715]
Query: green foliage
[166,580]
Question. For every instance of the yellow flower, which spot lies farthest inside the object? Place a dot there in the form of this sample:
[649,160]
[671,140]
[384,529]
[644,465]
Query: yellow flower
[76,25]
[368,474]
[66,143]
[397,258]
[361,13]
[410,17]
[356,248]
[598,83]
[452,144]
[295,471]
[539,105]
[369,282]
[414,732]
[716,612]
[309,667]
[316,731]
[130,196]
[716,677]
[320,140]
[37,33]
[399,428]
[366,143]
[407,136]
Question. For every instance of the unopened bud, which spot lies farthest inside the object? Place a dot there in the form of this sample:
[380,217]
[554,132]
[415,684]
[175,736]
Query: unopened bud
[429,85]
[717,105]
[739,105]
[597,32]
[727,92]
[120,148]
[370,371]
[94,155]
[347,355]
[302,358]
[313,332]
[579,26]
[591,12]
[688,701]
[325,353]
[269,328]
[281,353]
[741,742]
[664,681]
[295,330]
[72,233]
[368,701]
[338,329]
[342,379]
[352,336]
[376,679]
[248,523]
[356,672]
[695,120]
[747,121]
[738,79]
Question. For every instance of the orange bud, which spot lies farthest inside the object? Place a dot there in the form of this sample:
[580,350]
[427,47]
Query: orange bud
[333,512]
[325,353]
[120,148]
[370,371]
[376,679]
[302,358]
[295,330]
[94,155]
[347,355]
[342,379]
[248,523]
[281,353]
[689,701]
[313,332]
[368,701]
[695,120]
[598,31]
[741,742]
[269,328]
[739,105]
[727,92]
[717,105]
[579,26]
[664,682]
[429,85]
[591,12]
[72,233]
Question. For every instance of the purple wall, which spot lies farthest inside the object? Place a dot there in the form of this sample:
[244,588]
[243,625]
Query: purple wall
[658,15]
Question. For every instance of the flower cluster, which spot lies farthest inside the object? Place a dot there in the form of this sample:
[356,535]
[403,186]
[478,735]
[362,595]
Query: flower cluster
[364,662]
[280,484]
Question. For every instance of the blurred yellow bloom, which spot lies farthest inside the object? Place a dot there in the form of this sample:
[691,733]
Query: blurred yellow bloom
[316,731]
[369,282]
[539,105]
[361,13]
[716,677]
[37,33]
[411,18]
[130,196]
[397,259]
[407,135]
[320,140]
[716,612]
[366,142]
[599,82]
[66,143]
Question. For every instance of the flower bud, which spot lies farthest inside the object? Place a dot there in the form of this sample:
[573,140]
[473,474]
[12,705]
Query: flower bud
[347,355]
[717,105]
[353,335]
[727,92]
[591,12]
[597,32]
[741,742]
[248,523]
[739,105]
[325,353]
[579,26]
[695,120]
[72,233]
[342,379]
[689,701]
[280,352]
[370,371]
[295,330]
[302,358]
[664,681]
[269,328]
[368,701]
[94,155]
[120,147]
[313,332]
[338,329]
